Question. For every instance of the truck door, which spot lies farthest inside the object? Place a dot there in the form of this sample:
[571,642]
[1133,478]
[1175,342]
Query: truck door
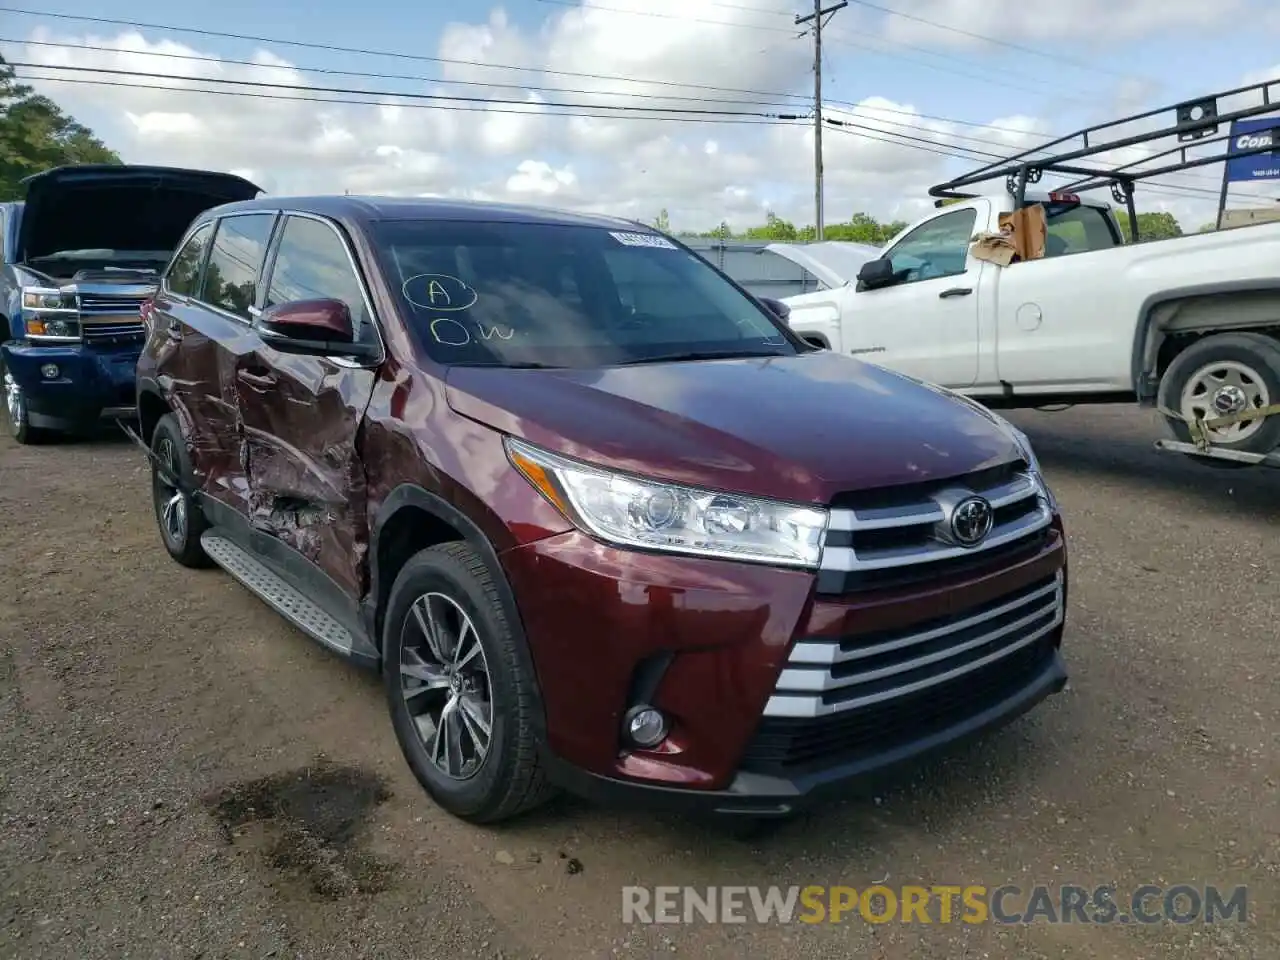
[926,324]
[1056,319]
[301,414]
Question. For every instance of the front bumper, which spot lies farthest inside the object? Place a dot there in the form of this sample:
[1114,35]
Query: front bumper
[764,795]
[91,383]
[705,641]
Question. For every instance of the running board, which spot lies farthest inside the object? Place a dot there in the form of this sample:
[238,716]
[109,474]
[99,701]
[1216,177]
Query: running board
[1215,453]
[282,597]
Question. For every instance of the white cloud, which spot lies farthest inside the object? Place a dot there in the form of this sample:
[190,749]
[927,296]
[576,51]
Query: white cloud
[1057,26]
[528,149]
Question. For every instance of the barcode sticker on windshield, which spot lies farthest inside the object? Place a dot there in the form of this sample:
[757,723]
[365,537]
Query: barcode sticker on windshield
[643,240]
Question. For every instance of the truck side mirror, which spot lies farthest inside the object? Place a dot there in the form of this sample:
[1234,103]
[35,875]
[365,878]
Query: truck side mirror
[875,274]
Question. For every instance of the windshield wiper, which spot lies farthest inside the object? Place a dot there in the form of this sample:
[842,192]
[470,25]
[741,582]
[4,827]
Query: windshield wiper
[698,355]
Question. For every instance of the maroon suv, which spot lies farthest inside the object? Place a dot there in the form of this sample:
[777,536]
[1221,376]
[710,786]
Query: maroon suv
[600,518]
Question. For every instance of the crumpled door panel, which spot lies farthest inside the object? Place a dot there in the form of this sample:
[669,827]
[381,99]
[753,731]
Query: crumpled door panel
[301,419]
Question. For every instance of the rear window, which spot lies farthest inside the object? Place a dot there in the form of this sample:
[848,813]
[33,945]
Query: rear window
[564,296]
[1076,228]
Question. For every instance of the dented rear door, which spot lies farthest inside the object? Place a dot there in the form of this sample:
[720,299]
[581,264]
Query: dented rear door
[301,415]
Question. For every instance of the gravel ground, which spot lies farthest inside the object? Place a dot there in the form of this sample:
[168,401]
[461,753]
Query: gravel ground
[183,775]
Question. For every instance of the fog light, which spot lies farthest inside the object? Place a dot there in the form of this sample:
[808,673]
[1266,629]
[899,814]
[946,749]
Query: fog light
[50,371]
[646,726]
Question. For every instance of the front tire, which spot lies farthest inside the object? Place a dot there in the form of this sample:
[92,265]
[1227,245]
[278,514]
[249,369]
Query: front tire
[179,517]
[461,701]
[16,412]
[1220,375]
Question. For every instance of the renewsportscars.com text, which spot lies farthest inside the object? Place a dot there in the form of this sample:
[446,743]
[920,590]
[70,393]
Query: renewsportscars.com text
[973,904]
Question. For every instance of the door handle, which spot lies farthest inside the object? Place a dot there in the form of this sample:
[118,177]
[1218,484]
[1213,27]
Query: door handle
[955,292]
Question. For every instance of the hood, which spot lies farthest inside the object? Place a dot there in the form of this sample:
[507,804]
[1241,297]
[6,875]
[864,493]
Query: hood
[800,428]
[119,207]
[834,262]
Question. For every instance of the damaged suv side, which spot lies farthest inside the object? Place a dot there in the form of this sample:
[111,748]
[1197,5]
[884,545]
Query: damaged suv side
[601,520]
[82,251]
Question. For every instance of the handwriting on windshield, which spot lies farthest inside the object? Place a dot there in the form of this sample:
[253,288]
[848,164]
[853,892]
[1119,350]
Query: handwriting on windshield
[439,292]
[454,333]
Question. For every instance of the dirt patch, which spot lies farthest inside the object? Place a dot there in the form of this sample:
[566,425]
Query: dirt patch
[308,825]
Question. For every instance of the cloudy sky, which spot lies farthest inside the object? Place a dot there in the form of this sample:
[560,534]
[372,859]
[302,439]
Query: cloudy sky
[919,81]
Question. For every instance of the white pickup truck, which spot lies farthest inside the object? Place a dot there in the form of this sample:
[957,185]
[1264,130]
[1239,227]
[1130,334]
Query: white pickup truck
[1189,323]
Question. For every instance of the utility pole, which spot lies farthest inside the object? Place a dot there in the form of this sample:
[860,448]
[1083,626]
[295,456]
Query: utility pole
[818,13]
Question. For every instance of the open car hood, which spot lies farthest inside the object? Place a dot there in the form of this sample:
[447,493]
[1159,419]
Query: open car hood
[119,207]
[834,262]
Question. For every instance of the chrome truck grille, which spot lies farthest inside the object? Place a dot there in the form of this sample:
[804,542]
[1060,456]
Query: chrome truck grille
[111,318]
[890,538]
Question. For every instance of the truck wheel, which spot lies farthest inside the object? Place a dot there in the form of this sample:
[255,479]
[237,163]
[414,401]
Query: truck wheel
[178,515]
[461,702]
[1224,374]
[16,412]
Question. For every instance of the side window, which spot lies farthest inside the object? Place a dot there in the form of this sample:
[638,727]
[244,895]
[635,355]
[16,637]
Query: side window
[939,248]
[312,263]
[231,278]
[184,272]
[1077,229]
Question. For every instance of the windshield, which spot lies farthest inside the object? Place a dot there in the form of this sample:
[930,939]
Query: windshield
[541,294]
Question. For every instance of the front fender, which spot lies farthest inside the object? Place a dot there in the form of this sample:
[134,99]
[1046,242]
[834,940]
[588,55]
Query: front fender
[818,314]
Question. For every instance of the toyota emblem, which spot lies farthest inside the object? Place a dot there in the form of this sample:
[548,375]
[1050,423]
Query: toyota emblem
[971,521]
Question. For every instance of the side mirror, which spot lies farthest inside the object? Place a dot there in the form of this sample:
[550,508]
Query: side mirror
[776,307]
[321,326]
[876,273]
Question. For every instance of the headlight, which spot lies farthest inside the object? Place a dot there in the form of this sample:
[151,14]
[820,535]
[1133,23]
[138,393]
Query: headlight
[47,298]
[49,313]
[633,512]
[1024,442]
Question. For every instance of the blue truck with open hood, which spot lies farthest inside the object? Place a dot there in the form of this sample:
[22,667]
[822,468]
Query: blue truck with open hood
[82,251]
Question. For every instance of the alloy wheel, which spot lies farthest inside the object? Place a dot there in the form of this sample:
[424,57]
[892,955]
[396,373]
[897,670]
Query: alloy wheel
[15,404]
[171,503]
[444,678]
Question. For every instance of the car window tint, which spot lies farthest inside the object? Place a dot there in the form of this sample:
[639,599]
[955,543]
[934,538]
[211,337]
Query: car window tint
[184,273]
[231,278]
[311,264]
[939,248]
[564,295]
[1076,228]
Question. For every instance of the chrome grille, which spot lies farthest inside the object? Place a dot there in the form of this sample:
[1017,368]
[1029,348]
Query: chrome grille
[107,333]
[110,303]
[891,538]
[826,676]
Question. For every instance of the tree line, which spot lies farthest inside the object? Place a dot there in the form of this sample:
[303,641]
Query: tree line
[864,228]
[35,135]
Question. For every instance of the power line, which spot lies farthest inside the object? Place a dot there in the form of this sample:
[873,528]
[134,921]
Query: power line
[1007,44]
[615,109]
[423,58]
[971,153]
[329,71]
[1047,138]
[674,16]
[725,118]
[844,40]
[448,98]
[902,140]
